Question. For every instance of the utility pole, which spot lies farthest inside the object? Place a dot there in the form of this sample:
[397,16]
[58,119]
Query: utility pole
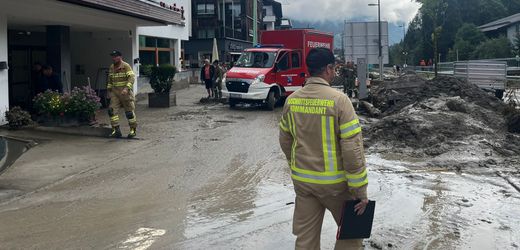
[255,22]
[380,42]
[343,42]
[378,4]
[404,30]
[224,17]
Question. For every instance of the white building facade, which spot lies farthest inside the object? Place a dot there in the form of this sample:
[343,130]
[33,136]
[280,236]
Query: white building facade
[75,37]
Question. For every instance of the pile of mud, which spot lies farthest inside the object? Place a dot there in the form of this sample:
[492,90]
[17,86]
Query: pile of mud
[434,117]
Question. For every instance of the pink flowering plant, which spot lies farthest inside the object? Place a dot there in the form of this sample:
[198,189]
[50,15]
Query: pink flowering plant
[81,102]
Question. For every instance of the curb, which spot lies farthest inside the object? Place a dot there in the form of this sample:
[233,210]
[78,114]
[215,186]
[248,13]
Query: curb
[81,131]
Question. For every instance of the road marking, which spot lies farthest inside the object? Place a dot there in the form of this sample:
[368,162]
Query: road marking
[142,239]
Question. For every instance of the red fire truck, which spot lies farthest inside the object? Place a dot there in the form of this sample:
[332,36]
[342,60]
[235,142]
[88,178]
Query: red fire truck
[275,68]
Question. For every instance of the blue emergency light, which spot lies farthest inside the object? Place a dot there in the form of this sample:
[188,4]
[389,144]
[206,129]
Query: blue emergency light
[269,46]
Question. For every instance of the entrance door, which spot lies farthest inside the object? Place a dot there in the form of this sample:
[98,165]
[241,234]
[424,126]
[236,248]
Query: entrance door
[21,85]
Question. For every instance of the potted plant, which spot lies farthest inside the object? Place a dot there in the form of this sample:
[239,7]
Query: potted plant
[17,118]
[70,109]
[161,81]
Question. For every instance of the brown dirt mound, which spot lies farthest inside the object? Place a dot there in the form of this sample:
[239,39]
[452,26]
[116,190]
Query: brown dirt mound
[432,117]
[391,97]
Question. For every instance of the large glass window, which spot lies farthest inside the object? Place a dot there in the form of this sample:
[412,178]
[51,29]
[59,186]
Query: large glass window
[205,9]
[154,50]
[164,57]
[256,60]
[206,33]
[147,57]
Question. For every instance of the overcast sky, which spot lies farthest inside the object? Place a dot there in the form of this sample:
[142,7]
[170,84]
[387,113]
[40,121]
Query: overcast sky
[395,11]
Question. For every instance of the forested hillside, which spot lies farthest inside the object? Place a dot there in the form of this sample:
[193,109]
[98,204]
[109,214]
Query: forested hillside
[450,26]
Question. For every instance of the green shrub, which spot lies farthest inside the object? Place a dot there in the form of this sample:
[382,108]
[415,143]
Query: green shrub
[18,118]
[161,78]
[145,70]
[49,102]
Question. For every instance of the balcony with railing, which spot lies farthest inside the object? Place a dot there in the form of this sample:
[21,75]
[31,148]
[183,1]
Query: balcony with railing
[152,10]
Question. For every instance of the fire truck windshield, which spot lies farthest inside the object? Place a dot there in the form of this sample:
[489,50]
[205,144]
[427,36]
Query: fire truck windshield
[256,59]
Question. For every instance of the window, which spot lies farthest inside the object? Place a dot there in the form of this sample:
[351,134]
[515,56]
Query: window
[205,9]
[256,59]
[233,10]
[295,59]
[201,34]
[206,33]
[210,33]
[164,57]
[283,63]
[154,50]
[163,43]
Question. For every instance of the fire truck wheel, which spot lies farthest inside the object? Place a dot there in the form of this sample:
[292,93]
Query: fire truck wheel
[270,102]
[232,103]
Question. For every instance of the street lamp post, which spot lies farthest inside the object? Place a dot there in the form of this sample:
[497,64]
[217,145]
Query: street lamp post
[405,59]
[404,30]
[378,4]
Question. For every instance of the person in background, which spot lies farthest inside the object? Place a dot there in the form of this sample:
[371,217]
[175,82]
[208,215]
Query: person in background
[207,75]
[36,78]
[422,63]
[49,81]
[219,75]
[351,75]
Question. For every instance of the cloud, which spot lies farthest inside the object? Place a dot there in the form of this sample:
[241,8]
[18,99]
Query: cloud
[395,11]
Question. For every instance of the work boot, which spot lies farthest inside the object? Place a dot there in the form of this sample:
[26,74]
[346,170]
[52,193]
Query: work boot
[132,134]
[116,132]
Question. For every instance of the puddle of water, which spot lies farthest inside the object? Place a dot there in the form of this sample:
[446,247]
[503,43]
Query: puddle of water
[416,209]
[10,150]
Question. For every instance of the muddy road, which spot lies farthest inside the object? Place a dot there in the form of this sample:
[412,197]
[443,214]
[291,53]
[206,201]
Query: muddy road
[206,177]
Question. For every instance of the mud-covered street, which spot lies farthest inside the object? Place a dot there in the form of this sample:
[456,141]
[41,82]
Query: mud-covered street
[207,177]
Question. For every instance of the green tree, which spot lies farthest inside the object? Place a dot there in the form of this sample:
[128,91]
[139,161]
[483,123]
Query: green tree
[435,14]
[468,37]
[491,10]
[494,48]
[396,54]
[450,15]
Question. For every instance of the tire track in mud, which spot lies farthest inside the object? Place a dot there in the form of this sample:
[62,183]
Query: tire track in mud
[243,204]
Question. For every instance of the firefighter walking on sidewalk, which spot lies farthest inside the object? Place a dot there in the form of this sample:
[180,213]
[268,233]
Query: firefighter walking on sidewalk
[120,87]
[320,135]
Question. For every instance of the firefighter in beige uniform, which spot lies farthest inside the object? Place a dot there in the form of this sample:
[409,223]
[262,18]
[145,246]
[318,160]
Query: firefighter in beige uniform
[120,86]
[320,135]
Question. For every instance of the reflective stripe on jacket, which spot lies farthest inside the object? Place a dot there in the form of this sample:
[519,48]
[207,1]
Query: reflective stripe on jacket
[320,135]
[121,76]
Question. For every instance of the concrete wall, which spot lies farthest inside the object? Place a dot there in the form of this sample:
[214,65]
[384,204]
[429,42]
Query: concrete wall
[4,87]
[90,52]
